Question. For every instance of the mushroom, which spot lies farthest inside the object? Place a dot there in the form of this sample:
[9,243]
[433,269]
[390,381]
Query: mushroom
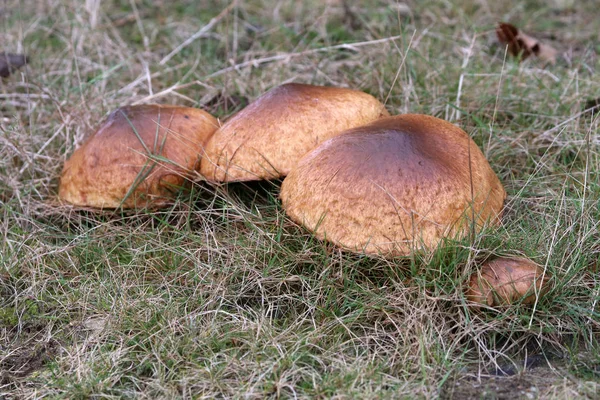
[266,139]
[504,281]
[393,186]
[137,158]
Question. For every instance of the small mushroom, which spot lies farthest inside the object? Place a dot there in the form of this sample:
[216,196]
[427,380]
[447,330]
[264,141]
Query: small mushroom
[394,186]
[266,139]
[504,281]
[138,157]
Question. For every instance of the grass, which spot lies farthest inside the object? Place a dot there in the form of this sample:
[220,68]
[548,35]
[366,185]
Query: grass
[221,295]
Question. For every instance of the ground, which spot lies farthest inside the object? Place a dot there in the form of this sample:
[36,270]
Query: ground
[221,294]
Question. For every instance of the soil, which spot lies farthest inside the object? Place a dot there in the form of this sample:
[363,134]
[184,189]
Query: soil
[28,353]
[539,377]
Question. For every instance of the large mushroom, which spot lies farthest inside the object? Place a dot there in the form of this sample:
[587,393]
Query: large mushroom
[507,280]
[267,138]
[137,158]
[394,186]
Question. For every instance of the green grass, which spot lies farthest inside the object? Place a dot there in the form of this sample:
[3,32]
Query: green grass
[221,295]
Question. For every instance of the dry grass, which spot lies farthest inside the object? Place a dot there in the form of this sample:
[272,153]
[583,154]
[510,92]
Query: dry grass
[221,295]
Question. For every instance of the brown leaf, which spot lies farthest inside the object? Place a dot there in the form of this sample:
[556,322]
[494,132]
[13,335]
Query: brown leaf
[10,62]
[520,44]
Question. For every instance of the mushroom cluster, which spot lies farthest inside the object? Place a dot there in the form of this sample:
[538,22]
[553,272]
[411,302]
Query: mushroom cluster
[354,176]
[140,155]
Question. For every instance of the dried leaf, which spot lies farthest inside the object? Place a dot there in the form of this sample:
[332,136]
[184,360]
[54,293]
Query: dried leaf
[10,62]
[520,44]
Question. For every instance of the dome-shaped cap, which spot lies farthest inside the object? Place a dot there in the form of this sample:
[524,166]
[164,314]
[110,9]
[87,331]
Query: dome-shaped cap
[267,138]
[508,280]
[137,158]
[395,185]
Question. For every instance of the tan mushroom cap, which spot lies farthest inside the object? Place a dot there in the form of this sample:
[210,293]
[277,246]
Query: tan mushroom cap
[504,281]
[142,167]
[266,139]
[393,186]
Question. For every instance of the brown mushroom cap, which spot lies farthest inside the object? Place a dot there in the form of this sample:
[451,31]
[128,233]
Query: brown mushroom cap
[505,281]
[393,186]
[267,138]
[137,157]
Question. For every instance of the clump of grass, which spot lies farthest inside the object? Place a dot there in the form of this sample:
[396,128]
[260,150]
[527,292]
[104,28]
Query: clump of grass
[221,294]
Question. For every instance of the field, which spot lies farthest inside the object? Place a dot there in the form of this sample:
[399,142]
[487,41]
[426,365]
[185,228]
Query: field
[221,295]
